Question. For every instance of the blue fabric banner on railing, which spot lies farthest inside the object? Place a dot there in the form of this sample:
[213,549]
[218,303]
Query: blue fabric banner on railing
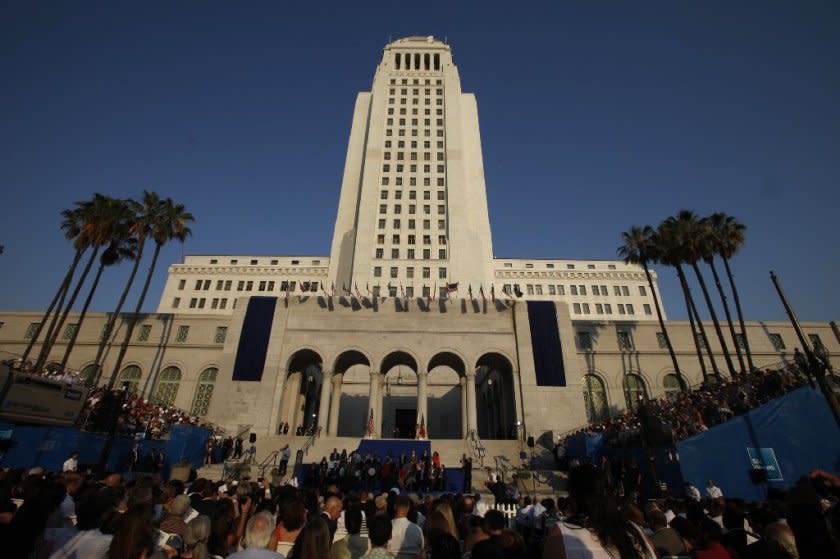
[253,340]
[788,437]
[545,342]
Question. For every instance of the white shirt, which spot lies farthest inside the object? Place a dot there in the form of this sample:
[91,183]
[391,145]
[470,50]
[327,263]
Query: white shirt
[406,539]
[714,492]
[70,465]
[693,493]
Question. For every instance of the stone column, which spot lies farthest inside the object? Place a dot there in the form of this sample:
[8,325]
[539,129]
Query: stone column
[324,404]
[380,405]
[335,404]
[423,399]
[292,389]
[373,395]
[472,416]
[277,401]
[517,402]
[463,382]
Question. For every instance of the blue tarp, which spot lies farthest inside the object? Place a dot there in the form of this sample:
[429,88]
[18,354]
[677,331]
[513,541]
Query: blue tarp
[798,430]
[253,340]
[49,447]
[545,343]
[799,427]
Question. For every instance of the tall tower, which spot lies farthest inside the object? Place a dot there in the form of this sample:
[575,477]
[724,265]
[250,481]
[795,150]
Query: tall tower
[413,205]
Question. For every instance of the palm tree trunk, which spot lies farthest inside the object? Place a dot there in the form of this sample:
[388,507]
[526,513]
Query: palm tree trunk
[133,320]
[715,321]
[740,314]
[85,307]
[702,330]
[728,314]
[688,306]
[680,378]
[49,343]
[57,299]
[109,327]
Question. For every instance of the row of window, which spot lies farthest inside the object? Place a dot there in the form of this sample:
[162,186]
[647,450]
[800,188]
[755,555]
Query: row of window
[400,168]
[606,308]
[248,285]
[550,266]
[599,290]
[409,291]
[416,91]
[412,195]
[625,340]
[411,223]
[143,333]
[412,208]
[410,253]
[427,144]
[416,61]
[416,81]
[256,262]
[427,132]
[168,383]
[635,391]
[414,101]
[409,272]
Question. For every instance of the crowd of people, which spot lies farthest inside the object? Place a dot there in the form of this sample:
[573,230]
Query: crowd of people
[67,515]
[133,414]
[407,471]
[691,412]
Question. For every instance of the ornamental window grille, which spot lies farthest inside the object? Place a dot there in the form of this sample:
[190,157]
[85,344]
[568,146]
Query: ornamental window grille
[204,391]
[168,383]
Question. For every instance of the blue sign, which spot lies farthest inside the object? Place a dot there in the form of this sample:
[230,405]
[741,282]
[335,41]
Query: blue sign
[765,459]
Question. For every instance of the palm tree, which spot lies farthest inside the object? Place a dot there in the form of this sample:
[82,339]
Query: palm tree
[694,249]
[730,239]
[669,249]
[114,222]
[139,228]
[71,224]
[715,225]
[94,236]
[640,248]
[166,221]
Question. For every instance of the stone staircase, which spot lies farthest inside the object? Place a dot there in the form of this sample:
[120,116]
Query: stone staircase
[501,457]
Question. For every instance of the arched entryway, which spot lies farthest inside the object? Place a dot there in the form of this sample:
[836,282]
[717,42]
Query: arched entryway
[349,401]
[635,391]
[446,405]
[302,392]
[398,414]
[495,404]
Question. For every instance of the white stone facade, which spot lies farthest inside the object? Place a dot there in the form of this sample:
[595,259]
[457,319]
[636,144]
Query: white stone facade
[373,327]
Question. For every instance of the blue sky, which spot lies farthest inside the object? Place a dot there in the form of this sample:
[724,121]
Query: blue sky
[595,116]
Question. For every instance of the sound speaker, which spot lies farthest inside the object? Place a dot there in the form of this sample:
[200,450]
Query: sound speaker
[530,441]
[758,475]
[253,438]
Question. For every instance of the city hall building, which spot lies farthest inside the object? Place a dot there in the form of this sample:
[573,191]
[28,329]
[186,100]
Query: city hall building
[410,320]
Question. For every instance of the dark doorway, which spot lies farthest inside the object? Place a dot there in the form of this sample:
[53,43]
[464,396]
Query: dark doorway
[404,423]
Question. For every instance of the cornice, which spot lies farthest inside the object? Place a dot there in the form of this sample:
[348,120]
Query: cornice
[570,274]
[251,270]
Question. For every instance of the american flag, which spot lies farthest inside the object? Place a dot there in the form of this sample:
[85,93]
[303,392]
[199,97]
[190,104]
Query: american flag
[371,426]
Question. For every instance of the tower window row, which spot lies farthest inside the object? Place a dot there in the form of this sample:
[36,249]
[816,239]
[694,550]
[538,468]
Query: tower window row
[416,91]
[386,168]
[403,111]
[412,195]
[427,144]
[416,81]
[416,61]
